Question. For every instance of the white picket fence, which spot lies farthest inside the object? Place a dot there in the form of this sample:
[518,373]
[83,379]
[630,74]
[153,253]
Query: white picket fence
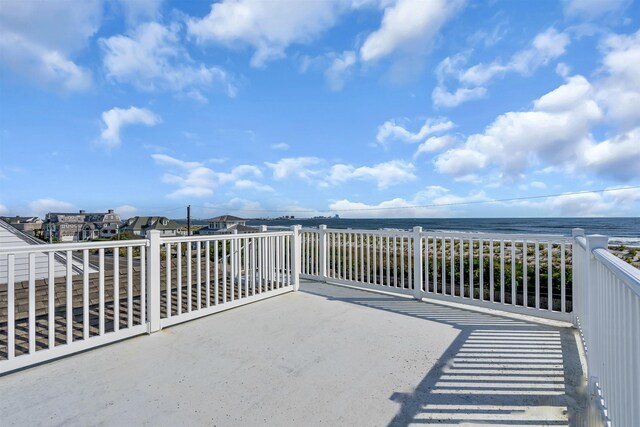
[525,274]
[128,288]
[115,290]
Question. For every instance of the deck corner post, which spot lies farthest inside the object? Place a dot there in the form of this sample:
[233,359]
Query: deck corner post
[417,263]
[295,256]
[153,282]
[323,252]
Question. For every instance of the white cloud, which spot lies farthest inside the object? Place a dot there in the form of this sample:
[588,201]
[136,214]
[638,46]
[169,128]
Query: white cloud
[619,91]
[126,211]
[152,58]
[617,157]
[194,179]
[305,168]
[340,70]
[140,10]
[443,98]
[3,209]
[41,207]
[593,8]
[116,118]
[246,184]
[268,27]
[554,132]
[385,174]
[545,47]
[433,201]
[280,146]
[434,143]
[391,131]
[407,26]
[38,39]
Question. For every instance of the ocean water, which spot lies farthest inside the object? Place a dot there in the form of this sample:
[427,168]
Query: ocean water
[620,230]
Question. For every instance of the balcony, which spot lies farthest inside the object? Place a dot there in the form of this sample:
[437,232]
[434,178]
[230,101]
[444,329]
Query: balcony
[411,328]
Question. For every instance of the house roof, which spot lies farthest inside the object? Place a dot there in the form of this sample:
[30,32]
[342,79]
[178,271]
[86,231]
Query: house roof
[150,223]
[19,219]
[226,218]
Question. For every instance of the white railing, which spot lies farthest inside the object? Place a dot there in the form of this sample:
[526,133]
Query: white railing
[99,299]
[527,274]
[226,271]
[607,312]
[110,291]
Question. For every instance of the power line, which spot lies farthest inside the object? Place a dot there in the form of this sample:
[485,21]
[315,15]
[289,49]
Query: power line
[434,205]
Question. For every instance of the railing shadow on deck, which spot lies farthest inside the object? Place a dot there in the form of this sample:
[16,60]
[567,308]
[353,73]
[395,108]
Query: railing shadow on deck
[498,370]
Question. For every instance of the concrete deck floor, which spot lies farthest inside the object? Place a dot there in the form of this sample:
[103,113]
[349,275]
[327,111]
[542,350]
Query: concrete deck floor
[324,356]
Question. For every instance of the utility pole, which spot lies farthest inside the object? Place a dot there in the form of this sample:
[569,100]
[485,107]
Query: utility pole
[189,220]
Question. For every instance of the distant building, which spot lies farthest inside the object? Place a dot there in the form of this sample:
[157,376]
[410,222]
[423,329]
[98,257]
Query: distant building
[139,225]
[12,237]
[31,225]
[69,227]
[226,224]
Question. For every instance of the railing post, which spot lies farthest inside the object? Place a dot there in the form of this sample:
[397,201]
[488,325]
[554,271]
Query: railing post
[295,257]
[417,263]
[323,252]
[578,290]
[153,282]
[593,335]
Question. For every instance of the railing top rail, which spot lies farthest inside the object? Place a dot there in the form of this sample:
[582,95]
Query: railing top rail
[555,238]
[61,247]
[581,241]
[213,237]
[622,270]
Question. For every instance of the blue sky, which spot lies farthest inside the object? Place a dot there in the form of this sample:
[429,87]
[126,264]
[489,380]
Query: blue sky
[364,108]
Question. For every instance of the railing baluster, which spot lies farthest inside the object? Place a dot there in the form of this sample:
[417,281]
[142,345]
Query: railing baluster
[143,285]
[101,296]
[11,307]
[525,292]
[461,242]
[51,294]
[216,273]
[207,266]
[224,271]
[443,248]
[168,268]
[85,295]
[563,289]
[179,276]
[129,292]
[435,266]
[502,271]
[481,267]
[189,296]
[116,290]
[537,273]
[549,277]
[198,276]
[426,263]
[491,278]
[513,272]
[471,291]
[68,296]
[453,266]
[32,303]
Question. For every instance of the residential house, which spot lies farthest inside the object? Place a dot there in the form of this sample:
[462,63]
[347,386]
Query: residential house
[226,224]
[12,237]
[69,227]
[31,225]
[139,225]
